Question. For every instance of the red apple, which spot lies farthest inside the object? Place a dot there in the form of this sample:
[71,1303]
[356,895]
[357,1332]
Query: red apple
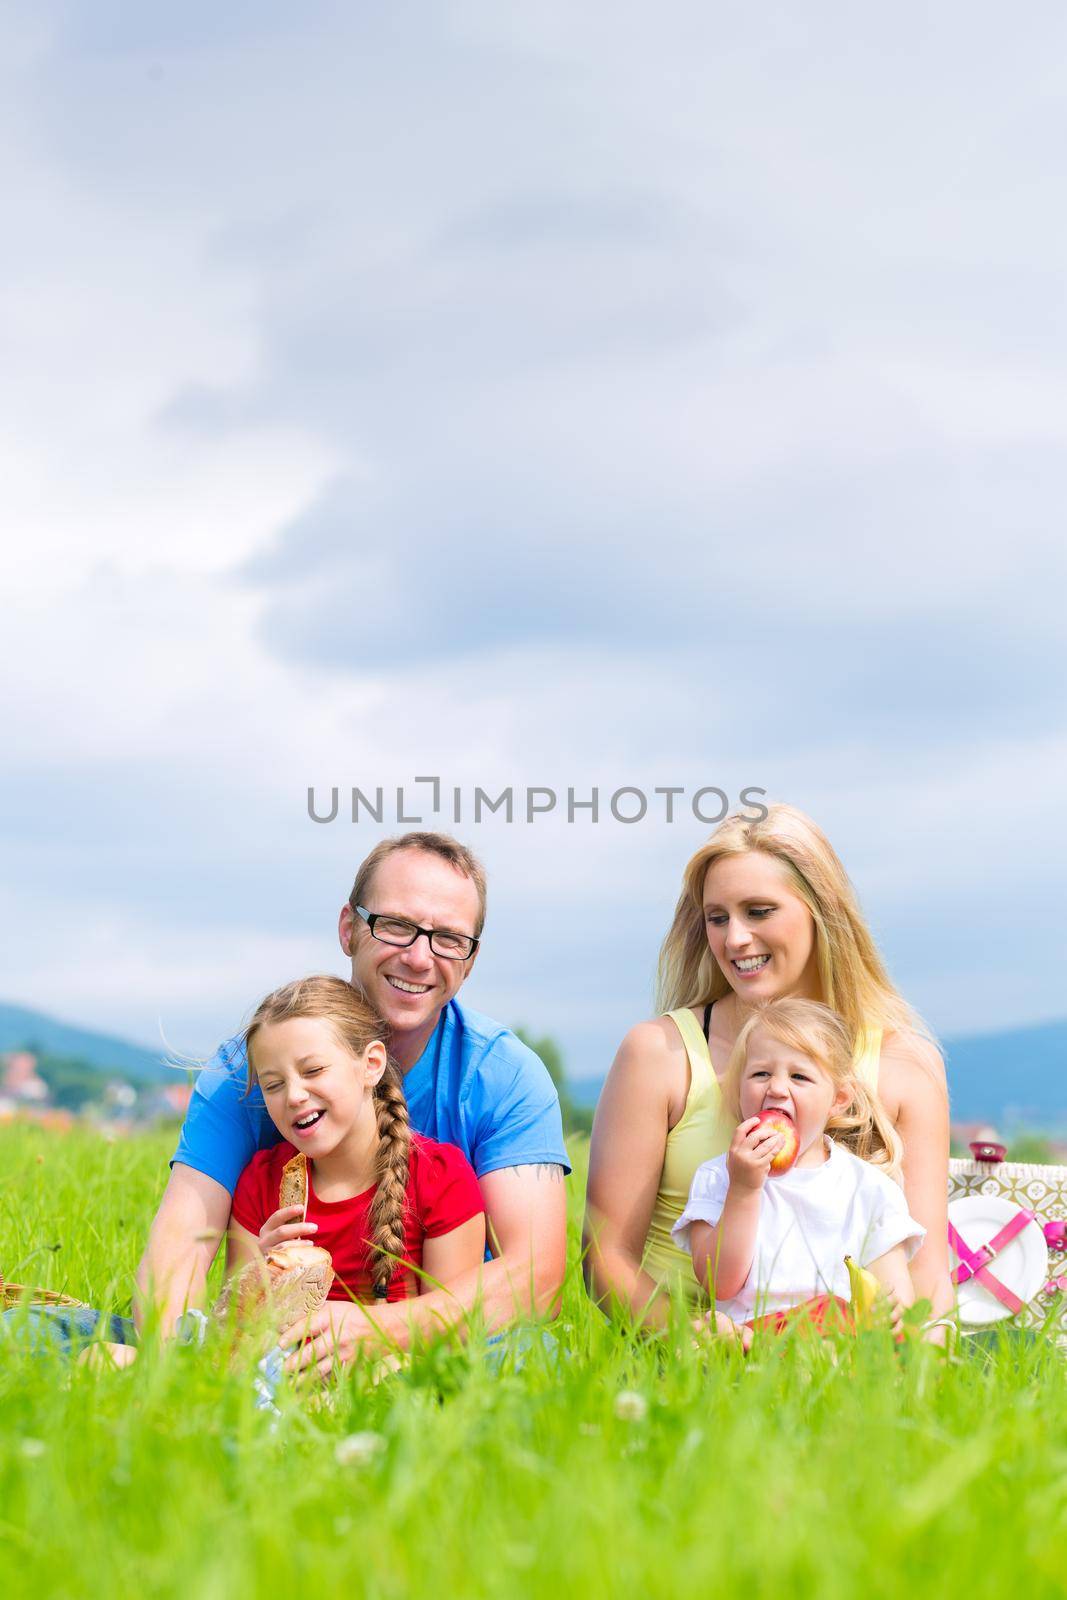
[781,1122]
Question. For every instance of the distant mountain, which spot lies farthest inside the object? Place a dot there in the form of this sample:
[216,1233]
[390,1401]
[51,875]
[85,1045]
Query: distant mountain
[1017,1078]
[23,1029]
[1013,1079]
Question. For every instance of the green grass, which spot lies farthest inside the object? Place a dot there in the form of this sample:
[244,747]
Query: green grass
[807,1470]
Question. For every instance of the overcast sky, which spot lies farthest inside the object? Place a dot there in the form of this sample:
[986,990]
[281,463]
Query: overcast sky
[536,396]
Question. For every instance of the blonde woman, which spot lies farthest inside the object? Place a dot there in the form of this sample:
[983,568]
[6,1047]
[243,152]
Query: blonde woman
[766,912]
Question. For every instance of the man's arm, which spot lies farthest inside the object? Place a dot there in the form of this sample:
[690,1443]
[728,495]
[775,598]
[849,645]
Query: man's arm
[526,1222]
[527,1226]
[182,1242]
[217,1141]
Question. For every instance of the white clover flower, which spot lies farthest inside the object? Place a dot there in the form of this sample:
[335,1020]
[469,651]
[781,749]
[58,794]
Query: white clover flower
[630,1406]
[32,1449]
[358,1449]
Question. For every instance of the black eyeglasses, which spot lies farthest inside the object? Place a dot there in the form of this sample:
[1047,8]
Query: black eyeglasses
[401,933]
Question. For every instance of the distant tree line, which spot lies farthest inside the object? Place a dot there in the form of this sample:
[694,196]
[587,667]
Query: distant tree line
[576,1118]
[75,1084]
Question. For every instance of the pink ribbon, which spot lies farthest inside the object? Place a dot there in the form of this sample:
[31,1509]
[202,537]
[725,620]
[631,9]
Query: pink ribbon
[975,1263]
[1056,1234]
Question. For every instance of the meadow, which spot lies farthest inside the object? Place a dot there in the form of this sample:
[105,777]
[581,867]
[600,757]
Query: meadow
[596,1463]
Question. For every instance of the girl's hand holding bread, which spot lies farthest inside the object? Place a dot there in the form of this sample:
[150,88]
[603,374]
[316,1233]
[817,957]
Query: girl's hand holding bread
[283,1225]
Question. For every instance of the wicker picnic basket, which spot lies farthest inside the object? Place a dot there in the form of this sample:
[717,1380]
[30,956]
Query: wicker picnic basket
[15,1294]
[1008,1236]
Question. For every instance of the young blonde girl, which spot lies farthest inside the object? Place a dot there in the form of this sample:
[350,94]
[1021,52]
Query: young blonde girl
[396,1211]
[766,1243]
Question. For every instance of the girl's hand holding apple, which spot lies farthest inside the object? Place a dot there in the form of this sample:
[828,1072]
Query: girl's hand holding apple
[752,1149]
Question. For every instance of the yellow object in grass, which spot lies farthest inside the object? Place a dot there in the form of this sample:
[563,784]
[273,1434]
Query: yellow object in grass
[864,1290]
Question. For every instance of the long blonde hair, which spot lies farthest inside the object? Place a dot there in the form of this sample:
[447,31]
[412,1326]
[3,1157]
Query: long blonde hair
[852,976]
[822,1036]
[357,1025]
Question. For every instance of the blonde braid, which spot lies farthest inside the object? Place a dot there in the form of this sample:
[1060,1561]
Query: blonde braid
[392,1168]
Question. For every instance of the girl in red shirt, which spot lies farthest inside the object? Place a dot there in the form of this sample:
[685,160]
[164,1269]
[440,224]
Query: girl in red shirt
[395,1211]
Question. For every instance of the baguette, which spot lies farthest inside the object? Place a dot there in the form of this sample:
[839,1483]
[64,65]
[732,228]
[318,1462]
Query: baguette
[293,1189]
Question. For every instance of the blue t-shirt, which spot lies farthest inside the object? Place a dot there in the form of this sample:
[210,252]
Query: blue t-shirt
[475,1085]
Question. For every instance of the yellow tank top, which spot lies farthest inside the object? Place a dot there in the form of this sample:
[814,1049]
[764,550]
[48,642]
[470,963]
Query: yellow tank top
[703,1131]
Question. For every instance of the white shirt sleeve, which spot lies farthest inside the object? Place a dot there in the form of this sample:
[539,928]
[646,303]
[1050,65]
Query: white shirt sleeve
[707,1196]
[888,1221]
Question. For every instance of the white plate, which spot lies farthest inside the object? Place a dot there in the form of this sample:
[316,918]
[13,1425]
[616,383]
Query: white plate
[1022,1265]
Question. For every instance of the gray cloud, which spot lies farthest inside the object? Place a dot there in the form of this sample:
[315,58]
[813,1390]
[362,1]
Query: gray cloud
[793,627]
[697,417]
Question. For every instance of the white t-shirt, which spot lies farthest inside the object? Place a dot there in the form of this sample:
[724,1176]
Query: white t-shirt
[810,1219]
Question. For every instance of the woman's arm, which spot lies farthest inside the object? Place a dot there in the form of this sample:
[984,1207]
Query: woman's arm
[913,1088]
[450,1255]
[648,1076]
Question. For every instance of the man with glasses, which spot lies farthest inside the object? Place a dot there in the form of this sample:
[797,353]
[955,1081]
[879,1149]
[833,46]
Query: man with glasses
[411,927]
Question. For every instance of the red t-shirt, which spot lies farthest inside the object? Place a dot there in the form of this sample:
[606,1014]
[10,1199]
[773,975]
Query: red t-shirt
[442,1193]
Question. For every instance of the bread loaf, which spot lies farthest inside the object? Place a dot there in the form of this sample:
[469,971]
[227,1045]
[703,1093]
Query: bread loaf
[293,1189]
[280,1288]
